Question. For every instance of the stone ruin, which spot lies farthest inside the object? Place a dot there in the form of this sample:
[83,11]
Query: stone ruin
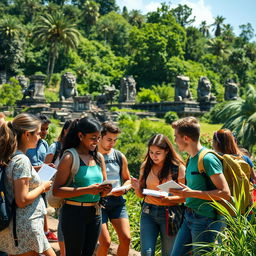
[68,87]
[231,90]
[109,93]
[182,92]
[204,90]
[35,90]
[127,89]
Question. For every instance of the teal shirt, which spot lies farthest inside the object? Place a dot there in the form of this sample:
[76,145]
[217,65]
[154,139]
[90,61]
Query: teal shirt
[197,181]
[86,176]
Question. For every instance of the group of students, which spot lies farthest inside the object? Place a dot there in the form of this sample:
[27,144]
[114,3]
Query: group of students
[89,204]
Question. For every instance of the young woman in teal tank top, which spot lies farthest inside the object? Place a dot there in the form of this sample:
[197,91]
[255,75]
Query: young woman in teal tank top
[81,214]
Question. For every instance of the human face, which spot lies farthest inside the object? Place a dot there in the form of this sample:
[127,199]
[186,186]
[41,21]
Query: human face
[157,154]
[44,130]
[108,141]
[90,140]
[32,138]
[180,141]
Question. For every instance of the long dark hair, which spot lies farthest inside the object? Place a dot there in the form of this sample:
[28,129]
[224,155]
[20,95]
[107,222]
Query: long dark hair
[84,125]
[62,133]
[172,158]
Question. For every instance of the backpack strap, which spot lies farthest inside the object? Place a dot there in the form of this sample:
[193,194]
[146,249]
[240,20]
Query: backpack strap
[57,151]
[119,159]
[75,164]
[201,156]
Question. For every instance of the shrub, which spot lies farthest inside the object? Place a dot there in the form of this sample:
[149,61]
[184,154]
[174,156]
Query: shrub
[148,128]
[147,96]
[52,134]
[170,117]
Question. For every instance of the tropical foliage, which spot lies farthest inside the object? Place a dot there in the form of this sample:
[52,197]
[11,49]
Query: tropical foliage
[240,117]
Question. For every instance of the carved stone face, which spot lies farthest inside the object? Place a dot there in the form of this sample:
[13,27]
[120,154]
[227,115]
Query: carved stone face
[69,80]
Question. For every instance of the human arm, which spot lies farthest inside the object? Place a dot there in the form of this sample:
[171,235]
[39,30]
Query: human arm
[221,192]
[49,158]
[136,183]
[106,188]
[125,176]
[23,196]
[63,173]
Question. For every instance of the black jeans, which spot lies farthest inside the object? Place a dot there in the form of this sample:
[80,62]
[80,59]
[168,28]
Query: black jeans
[81,228]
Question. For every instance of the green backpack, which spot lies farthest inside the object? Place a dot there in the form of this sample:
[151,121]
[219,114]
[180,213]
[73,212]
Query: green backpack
[237,173]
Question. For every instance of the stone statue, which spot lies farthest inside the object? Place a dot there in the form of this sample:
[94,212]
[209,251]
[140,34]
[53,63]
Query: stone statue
[35,88]
[23,82]
[68,87]
[182,91]
[231,90]
[108,95]
[204,90]
[127,89]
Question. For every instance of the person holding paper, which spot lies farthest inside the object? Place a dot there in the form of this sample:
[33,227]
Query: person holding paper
[200,219]
[114,206]
[159,214]
[25,187]
[81,212]
[37,156]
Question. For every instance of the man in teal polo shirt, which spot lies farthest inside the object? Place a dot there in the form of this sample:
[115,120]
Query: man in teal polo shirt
[200,217]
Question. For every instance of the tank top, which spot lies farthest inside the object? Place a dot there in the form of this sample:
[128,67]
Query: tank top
[112,167]
[86,176]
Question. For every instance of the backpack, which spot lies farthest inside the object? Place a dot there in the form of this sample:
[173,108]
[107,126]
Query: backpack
[237,173]
[7,208]
[56,202]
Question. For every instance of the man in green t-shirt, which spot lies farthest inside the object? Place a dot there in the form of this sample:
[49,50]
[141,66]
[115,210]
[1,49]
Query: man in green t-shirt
[200,218]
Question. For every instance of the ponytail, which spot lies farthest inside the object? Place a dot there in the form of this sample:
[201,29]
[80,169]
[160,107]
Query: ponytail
[8,143]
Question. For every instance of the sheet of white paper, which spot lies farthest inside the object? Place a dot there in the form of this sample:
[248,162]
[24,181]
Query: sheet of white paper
[169,184]
[46,172]
[156,193]
[109,182]
[121,188]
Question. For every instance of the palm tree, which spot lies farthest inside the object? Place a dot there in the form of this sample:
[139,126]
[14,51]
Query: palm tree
[90,13]
[218,25]
[136,18]
[54,30]
[218,47]
[240,117]
[204,29]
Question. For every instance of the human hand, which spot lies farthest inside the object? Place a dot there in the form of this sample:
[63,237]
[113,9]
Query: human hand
[51,165]
[135,183]
[46,185]
[181,192]
[117,193]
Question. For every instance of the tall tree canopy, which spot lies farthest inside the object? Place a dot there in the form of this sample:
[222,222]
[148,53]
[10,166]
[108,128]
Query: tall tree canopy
[55,31]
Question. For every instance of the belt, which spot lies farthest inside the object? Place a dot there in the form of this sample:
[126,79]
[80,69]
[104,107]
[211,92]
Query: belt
[80,203]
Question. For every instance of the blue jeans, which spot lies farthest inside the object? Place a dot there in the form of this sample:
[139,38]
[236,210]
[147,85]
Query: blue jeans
[195,228]
[153,222]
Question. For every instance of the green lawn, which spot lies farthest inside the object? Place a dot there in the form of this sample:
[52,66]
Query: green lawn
[210,128]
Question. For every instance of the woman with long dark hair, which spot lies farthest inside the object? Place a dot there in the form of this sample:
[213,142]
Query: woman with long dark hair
[81,214]
[161,164]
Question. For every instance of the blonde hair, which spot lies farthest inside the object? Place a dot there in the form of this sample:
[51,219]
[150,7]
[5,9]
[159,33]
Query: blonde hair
[11,132]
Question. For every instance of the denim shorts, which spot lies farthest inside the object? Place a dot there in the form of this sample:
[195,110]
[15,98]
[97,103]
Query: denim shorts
[113,208]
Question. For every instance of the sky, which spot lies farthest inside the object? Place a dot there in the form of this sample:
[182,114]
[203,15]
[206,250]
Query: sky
[235,12]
